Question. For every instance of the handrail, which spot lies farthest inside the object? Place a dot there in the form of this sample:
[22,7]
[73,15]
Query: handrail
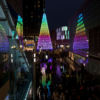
[24,59]
[26,87]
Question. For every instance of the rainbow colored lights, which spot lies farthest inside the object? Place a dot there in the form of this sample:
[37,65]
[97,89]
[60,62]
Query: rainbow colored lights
[13,33]
[44,37]
[80,41]
[19,28]
[4,44]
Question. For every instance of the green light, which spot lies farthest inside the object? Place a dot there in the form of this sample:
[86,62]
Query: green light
[13,33]
[19,27]
[68,34]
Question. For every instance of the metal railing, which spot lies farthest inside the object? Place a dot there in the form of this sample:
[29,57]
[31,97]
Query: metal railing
[24,56]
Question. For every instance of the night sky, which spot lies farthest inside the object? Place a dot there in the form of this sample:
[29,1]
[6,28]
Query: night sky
[59,12]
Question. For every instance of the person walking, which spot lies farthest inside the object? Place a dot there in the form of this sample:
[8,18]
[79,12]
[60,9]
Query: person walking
[55,95]
[45,92]
[51,88]
[62,96]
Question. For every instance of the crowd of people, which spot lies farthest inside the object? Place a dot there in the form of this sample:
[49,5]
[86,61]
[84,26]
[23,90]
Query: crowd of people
[71,88]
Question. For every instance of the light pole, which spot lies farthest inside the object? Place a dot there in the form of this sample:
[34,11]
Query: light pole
[34,73]
[13,77]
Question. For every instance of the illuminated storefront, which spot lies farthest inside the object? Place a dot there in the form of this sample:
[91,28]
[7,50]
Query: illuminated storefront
[62,33]
[62,37]
[28,45]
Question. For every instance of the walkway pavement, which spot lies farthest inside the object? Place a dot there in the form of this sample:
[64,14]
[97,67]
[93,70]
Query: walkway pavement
[77,68]
[57,80]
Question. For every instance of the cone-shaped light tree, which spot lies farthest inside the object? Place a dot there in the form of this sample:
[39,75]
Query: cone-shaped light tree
[80,41]
[44,37]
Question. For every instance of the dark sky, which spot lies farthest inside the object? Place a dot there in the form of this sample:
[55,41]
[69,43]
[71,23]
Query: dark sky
[59,12]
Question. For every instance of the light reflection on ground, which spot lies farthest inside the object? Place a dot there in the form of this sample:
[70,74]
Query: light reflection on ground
[44,77]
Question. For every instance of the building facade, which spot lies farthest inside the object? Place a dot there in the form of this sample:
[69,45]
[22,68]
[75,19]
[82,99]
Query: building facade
[60,37]
[13,61]
[17,6]
[32,17]
[84,29]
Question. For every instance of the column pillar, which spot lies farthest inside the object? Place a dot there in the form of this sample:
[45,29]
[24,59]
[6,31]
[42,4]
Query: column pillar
[34,76]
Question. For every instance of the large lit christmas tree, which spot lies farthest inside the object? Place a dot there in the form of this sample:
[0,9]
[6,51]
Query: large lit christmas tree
[80,41]
[44,41]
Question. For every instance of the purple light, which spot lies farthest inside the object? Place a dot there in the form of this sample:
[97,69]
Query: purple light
[44,37]
[44,65]
[80,53]
[80,41]
[50,60]
[50,67]
[4,44]
[58,72]
[44,42]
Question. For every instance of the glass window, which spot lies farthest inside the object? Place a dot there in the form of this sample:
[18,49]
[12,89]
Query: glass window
[58,34]
[64,28]
[68,34]
[66,37]
[31,13]
[59,29]
[1,12]
[62,37]
[31,16]
[38,5]
[56,30]
[38,1]
[58,37]
[34,6]
[34,16]
[65,32]
[26,6]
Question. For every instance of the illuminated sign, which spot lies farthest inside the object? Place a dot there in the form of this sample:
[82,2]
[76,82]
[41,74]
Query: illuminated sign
[29,44]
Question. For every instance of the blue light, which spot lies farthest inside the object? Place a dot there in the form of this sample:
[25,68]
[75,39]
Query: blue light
[13,33]
[17,37]
[80,15]
[29,44]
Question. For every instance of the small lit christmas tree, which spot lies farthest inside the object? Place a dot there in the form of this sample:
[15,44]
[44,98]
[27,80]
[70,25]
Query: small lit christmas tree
[44,38]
